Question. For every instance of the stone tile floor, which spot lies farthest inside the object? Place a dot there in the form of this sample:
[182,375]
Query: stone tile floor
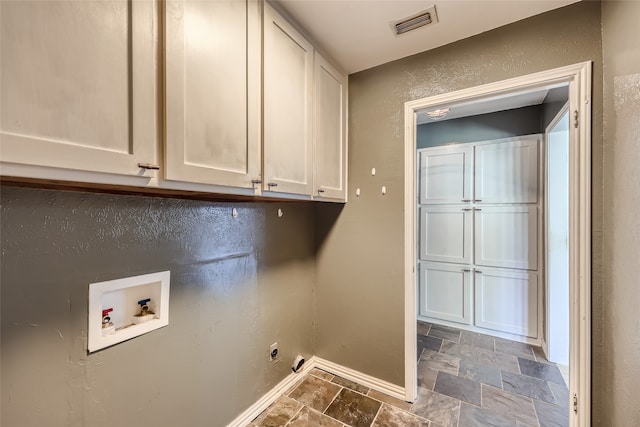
[464,379]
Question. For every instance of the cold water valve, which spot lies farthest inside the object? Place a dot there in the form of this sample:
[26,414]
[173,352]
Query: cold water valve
[145,313]
[107,324]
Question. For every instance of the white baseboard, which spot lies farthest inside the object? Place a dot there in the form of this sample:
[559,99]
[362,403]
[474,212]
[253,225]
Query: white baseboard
[366,380]
[271,396]
[315,362]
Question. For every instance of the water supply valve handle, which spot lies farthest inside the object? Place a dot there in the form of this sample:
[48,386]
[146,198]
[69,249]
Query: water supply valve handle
[106,319]
[144,308]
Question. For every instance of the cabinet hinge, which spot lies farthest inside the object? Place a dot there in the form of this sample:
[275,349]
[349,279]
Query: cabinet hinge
[575,403]
[576,119]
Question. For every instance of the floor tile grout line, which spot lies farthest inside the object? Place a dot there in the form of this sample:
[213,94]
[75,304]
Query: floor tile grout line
[294,415]
[333,400]
[373,421]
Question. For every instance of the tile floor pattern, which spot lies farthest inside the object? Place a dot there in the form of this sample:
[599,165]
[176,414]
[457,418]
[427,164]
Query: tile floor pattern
[464,379]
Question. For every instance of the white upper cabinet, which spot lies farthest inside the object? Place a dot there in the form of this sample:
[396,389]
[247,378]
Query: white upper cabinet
[212,84]
[78,86]
[446,175]
[507,172]
[288,88]
[330,131]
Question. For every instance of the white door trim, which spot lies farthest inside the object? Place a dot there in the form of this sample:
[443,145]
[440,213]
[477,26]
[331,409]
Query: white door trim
[578,76]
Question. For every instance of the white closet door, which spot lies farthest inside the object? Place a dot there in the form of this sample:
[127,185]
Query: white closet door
[445,234]
[507,301]
[506,237]
[507,172]
[445,292]
[446,174]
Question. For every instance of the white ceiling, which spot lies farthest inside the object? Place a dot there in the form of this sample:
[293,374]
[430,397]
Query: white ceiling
[357,33]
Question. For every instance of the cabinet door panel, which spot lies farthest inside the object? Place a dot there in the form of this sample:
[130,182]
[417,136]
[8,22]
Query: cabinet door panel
[445,292]
[212,86]
[445,234]
[330,142]
[446,174]
[507,172]
[78,86]
[507,301]
[288,78]
[507,237]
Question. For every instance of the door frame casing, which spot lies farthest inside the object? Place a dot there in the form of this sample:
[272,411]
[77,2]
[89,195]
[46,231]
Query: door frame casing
[578,78]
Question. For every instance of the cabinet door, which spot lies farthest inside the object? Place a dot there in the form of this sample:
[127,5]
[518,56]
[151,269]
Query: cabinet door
[445,292]
[212,83]
[446,174]
[507,237]
[445,234]
[288,86]
[507,301]
[330,136]
[507,172]
[78,85]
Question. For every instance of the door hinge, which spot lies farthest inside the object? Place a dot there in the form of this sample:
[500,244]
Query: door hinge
[575,403]
[576,119]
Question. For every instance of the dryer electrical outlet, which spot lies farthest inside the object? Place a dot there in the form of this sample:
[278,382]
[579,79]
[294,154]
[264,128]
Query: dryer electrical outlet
[125,308]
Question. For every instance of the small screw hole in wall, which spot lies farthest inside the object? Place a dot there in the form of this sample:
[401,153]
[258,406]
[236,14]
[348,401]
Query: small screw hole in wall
[234,212]
[280,213]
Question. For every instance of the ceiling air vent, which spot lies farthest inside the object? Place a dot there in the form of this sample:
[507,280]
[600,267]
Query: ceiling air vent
[416,21]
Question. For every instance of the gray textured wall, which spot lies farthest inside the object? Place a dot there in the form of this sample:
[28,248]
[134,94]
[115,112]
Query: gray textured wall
[237,285]
[501,124]
[359,321]
[616,363]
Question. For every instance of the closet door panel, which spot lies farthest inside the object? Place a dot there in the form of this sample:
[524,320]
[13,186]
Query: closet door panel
[445,292]
[445,234]
[507,172]
[506,237]
[445,175]
[507,301]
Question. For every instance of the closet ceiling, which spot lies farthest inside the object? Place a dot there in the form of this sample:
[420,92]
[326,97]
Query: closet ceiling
[358,35]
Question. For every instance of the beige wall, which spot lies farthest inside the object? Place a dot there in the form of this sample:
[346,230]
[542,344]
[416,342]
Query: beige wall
[616,362]
[359,321]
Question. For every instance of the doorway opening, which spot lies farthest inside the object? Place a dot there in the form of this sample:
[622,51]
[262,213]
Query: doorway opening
[577,79]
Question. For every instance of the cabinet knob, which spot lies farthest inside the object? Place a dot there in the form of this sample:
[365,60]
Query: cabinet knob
[272,184]
[477,200]
[256,182]
[320,190]
[466,270]
[148,166]
[467,209]
[465,200]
